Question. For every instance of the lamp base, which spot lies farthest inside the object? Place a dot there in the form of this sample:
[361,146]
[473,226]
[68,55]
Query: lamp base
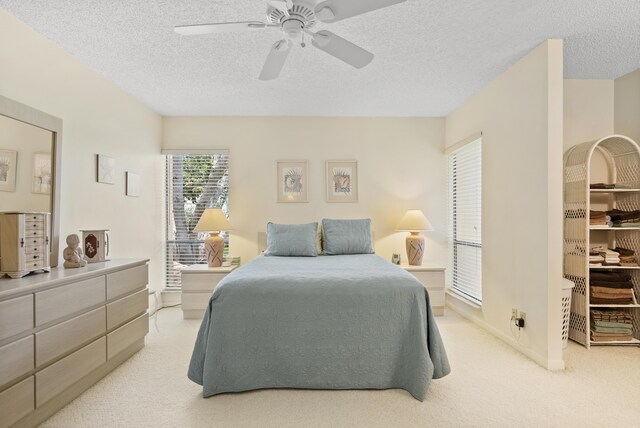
[214,249]
[415,249]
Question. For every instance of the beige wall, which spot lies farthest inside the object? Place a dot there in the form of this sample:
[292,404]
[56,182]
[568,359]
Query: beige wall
[400,166]
[588,116]
[97,117]
[520,115]
[627,105]
[588,110]
[26,140]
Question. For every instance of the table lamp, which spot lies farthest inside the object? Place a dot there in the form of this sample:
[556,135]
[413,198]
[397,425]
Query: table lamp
[415,222]
[213,221]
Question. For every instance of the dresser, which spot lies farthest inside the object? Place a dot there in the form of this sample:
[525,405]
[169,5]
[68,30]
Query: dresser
[432,278]
[62,331]
[198,282]
[24,243]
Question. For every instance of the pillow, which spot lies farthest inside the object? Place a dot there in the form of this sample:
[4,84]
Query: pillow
[346,236]
[292,240]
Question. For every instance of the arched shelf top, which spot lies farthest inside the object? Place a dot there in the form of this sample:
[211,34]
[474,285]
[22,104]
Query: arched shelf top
[621,153]
[613,146]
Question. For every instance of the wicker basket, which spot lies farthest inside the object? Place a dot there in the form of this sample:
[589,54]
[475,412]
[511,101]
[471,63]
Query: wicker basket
[567,288]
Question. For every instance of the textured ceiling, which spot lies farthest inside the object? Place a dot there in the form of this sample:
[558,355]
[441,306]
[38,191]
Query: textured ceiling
[430,55]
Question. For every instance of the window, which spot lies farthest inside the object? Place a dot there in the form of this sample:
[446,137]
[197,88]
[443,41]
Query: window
[465,199]
[195,181]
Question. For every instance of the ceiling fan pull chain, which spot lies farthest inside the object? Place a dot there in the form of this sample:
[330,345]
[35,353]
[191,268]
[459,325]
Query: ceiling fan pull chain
[303,44]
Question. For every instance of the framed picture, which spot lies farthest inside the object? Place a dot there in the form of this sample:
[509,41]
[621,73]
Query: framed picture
[133,184]
[41,182]
[292,181]
[106,170]
[342,181]
[8,164]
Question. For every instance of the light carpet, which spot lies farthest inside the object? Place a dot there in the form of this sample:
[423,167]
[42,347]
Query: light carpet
[491,385]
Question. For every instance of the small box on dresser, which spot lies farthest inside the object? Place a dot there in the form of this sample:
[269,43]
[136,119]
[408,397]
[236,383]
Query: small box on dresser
[432,278]
[24,243]
[63,331]
[198,282]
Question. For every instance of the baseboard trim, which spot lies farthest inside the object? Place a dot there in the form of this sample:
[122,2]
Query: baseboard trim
[539,359]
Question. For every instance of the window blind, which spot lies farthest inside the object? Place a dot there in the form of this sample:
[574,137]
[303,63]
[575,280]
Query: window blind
[465,219]
[195,181]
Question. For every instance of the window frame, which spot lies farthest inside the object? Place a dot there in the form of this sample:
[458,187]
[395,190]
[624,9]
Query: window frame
[454,204]
[171,242]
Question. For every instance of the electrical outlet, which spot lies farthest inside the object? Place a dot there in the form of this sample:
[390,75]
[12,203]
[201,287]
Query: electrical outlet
[514,313]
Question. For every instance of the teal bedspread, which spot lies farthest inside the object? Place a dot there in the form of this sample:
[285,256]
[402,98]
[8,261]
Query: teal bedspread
[329,322]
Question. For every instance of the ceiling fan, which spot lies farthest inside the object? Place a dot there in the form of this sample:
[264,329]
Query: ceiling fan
[295,18]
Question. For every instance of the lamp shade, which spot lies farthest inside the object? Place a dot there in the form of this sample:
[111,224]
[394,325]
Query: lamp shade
[413,221]
[213,219]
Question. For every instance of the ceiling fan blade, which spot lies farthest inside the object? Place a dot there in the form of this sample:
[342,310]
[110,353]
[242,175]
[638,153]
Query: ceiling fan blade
[275,61]
[342,49]
[222,27]
[336,10]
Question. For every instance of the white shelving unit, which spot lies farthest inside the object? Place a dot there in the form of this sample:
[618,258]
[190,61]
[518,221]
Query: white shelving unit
[622,156]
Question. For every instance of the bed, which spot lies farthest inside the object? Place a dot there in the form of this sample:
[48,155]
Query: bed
[328,322]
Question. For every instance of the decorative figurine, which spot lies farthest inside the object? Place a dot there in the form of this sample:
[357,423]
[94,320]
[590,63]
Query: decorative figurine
[73,253]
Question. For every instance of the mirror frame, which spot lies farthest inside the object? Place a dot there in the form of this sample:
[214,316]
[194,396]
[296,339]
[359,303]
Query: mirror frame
[39,119]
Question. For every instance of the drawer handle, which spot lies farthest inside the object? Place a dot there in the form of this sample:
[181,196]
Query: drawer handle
[35,257]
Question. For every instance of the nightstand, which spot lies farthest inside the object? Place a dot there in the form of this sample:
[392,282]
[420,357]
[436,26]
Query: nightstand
[198,282]
[432,277]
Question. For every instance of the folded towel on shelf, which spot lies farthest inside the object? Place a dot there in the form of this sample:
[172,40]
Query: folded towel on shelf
[608,276]
[599,323]
[605,301]
[624,216]
[614,330]
[609,186]
[624,252]
[598,218]
[608,291]
[611,284]
[613,315]
[600,337]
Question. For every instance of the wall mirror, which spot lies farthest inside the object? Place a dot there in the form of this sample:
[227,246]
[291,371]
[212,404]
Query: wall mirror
[30,155]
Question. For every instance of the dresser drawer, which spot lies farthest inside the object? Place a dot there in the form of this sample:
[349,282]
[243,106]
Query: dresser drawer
[203,282]
[127,308]
[16,316]
[37,217]
[129,333]
[34,249]
[34,242]
[431,280]
[66,300]
[16,402]
[16,359]
[61,375]
[63,337]
[126,281]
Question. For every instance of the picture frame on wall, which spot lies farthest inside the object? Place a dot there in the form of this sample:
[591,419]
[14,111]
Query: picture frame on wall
[133,184]
[342,181]
[106,169]
[8,167]
[41,182]
[292,181]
